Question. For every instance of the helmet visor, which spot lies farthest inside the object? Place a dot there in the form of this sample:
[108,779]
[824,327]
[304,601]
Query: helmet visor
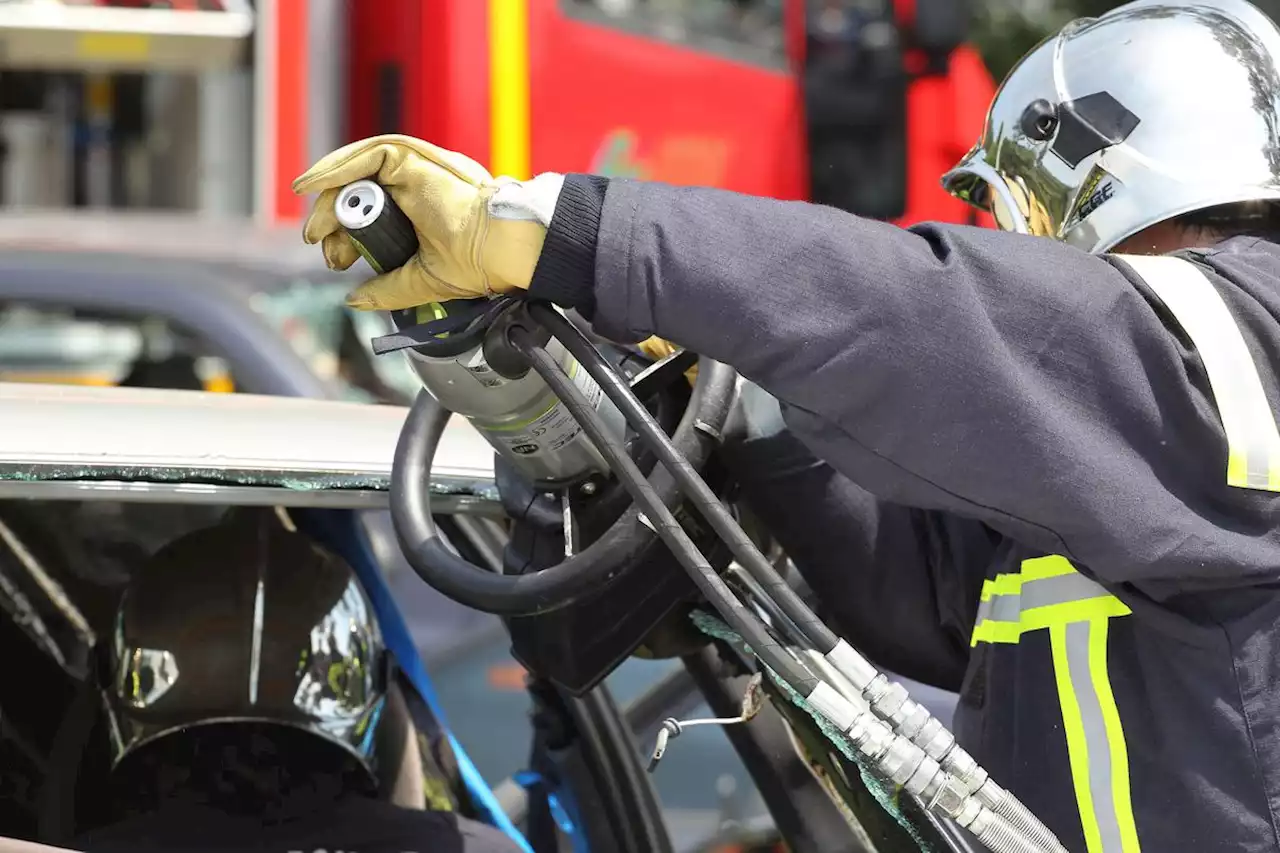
[975,182]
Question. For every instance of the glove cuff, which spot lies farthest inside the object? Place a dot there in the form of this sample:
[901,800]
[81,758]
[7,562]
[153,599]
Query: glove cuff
[533,200]
[566,270]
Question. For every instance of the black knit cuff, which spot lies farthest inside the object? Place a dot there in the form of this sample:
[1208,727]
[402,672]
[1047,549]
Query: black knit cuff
[566,269]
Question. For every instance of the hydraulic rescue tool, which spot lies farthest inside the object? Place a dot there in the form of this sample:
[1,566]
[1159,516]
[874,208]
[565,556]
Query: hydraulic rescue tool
[564,421]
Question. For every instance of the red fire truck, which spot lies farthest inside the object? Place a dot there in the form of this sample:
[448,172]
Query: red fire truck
[858,103]
[709,92]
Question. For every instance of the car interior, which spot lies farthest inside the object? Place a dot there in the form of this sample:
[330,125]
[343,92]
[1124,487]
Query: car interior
[63,566]
[77,346]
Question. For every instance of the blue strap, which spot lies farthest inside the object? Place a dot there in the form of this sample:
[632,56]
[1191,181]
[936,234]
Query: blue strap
[563,809]
[337,529]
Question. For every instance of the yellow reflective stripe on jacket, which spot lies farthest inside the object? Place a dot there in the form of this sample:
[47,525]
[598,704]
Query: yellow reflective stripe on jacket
[1253,442]
[1049,594]
[1046,592]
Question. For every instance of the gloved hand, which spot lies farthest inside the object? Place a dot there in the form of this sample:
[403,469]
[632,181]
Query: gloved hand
[658,349]
[476,235]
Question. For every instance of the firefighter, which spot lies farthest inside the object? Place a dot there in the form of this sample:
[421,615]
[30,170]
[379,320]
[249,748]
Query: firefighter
[247,694]
[1065,450]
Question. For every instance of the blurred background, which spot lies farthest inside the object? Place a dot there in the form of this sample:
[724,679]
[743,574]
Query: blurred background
[148,235]
[213,106]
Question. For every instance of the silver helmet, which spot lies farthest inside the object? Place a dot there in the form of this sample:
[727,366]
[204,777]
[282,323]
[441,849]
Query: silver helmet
[1155,109]
[246,622]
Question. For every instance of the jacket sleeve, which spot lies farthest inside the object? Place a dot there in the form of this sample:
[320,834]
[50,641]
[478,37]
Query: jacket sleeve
[901,584]
[1008,379]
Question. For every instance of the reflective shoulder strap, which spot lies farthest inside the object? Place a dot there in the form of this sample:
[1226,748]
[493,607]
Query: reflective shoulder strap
[1253,442]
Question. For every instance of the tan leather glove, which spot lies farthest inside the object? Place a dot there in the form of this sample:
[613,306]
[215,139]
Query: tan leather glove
[472,241]
[658,349]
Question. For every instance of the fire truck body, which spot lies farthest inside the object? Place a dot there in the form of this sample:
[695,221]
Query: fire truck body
[535,85]
[216,106]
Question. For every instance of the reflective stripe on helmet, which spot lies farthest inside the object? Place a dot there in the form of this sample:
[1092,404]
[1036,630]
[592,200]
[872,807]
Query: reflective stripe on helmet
[1049,594]
[1253,442]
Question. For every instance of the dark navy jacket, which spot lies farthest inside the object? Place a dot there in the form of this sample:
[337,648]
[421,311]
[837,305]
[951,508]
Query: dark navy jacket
[1036,449]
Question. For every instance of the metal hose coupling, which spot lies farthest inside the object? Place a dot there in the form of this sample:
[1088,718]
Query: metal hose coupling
[1017,815]
[998,836]
[908,766]
[913,721]
[995,833]
[891,701]
[896,757]
[904,763]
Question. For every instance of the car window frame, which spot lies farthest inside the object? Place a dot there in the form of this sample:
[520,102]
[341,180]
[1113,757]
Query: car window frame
[207,301]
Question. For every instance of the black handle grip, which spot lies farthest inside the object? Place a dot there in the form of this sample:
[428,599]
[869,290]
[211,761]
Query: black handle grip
[386,239]
[383,235]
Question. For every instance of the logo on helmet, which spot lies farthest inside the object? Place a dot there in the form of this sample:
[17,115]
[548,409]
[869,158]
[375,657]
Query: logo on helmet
[1098,189]
[1098,198]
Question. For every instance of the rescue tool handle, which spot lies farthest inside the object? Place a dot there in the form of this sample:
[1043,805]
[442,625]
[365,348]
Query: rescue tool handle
[385,237]
[387,240]
[380,230]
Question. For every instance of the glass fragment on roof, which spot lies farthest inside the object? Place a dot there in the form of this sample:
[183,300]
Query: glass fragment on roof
[218,476]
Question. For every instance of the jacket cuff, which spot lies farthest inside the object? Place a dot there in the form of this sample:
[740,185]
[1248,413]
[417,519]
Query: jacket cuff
[566,269]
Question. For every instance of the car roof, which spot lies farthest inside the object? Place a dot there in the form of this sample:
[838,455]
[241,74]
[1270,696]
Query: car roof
[151,445]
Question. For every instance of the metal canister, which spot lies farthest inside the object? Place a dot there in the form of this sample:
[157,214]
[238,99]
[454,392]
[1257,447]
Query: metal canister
[521,418]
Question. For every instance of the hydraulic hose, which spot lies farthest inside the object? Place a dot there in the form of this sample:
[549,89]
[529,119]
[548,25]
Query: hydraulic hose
[661,519]
[576,578]
[695,488]
[922,755]
[888,700]
[900,759]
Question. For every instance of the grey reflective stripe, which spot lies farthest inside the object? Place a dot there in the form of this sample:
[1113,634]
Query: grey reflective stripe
[1048,594]
[1047,591]
[1252,438]
[985,608]
[1095,739]
[1095,734]
[1039,593]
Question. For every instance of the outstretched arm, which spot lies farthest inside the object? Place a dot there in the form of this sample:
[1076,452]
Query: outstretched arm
[1011,380]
